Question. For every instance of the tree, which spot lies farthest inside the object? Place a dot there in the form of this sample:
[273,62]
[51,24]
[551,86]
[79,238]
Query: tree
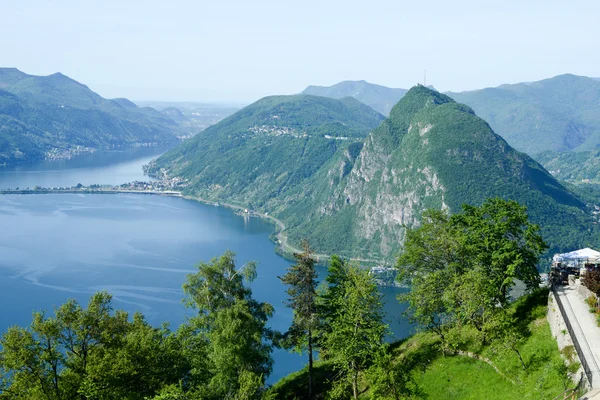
[357,329]
[591,280]
[301,280]
[233,361]
[389,377]
[88,353]
[501,240]
[461,267]
[430,259]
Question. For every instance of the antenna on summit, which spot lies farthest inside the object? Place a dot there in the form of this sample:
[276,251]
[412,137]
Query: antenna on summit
[425,78]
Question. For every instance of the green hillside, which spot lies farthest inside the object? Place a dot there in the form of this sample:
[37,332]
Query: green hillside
[379,98]
[433,153]
[266,155]
[559,114]
[42,113]
[573,167]
[285,155]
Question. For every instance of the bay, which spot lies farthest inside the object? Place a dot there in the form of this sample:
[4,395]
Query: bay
[138,247]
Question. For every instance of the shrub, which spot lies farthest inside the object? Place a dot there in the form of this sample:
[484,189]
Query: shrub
[591,301]
[591,280]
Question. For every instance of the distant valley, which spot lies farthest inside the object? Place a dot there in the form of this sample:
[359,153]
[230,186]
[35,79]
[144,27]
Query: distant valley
[190,116]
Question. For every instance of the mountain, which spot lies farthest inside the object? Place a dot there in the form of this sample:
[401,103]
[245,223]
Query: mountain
[379,98]
[432,153]
[558,114]
[355,197]
[265,155]
[56,114]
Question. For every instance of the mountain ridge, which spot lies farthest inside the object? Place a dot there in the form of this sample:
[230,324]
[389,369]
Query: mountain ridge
[54,113]
[432,152]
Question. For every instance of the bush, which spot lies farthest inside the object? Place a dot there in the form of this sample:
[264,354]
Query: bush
[591,301]
[591,280]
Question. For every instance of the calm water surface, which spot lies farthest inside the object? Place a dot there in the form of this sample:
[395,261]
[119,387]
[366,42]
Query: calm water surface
[138,247]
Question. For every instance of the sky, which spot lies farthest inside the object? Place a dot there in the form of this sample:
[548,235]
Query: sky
[240,51]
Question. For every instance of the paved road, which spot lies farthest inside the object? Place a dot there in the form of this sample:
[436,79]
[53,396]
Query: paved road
[585,328]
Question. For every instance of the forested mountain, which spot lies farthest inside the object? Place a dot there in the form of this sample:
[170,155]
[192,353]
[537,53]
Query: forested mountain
[379,98]
[560,113]
[39,114]
[431,153]
[266,155]
[355,197]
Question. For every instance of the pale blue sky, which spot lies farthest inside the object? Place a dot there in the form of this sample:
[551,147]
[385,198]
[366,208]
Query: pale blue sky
[178,50]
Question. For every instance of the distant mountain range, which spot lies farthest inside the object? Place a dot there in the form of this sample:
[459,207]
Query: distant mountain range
[556,114]
[380,98]
[55,116]
[192,117]
[312,162]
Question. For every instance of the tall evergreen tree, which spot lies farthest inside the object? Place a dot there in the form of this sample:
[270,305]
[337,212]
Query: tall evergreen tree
[301,280]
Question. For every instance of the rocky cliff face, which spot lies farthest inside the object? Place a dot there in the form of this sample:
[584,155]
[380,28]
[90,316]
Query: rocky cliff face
[430,153]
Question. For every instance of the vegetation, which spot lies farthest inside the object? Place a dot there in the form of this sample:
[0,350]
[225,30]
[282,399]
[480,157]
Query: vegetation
[557,114]
[98,353]
[475,343]
[574,167]
[302,285]
[424,368]
[430,153]
[42,113]
[461,268]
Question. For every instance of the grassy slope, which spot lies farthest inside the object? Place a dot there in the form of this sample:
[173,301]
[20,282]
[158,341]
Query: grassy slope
[440,376]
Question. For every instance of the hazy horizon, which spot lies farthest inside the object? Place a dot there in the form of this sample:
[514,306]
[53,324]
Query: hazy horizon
[238,52]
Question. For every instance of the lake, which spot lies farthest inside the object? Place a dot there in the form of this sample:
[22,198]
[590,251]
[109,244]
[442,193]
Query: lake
[138,247]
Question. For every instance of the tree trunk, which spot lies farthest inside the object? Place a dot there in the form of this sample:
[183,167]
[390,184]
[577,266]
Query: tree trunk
[355,384]
[310,365]
[520,358]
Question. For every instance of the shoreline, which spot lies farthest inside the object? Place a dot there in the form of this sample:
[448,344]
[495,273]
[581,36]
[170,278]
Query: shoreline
[282,245]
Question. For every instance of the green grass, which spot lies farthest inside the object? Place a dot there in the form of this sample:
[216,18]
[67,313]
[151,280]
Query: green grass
[443,376]
[461,377]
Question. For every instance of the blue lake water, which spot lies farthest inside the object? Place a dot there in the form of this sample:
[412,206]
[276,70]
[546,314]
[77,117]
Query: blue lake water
[138,247]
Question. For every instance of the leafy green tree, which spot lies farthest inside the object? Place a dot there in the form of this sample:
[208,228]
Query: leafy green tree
[501,240]
[357,329]
[462,267]
[301,280]
[230,328]
[88,353]
[389,377]
[430,259]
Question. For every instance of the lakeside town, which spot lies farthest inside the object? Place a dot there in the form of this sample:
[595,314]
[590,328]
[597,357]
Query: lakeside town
[165,186]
